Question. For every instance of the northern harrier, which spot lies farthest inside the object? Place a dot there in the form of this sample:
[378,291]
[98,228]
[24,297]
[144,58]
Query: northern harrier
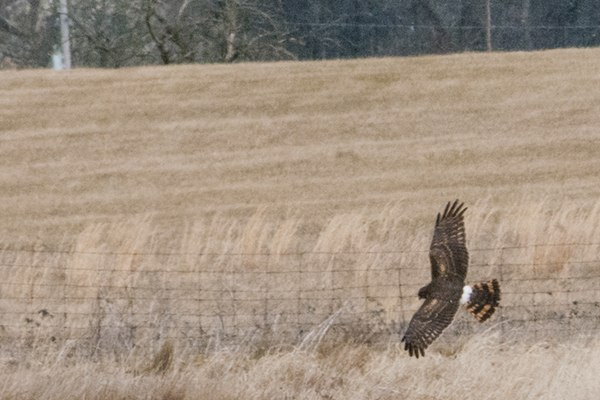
[447,290]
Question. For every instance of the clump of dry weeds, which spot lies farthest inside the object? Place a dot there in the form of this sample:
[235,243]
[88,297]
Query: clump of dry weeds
[485,367]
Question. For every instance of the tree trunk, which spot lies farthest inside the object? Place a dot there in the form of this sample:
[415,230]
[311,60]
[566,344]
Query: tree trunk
[231,52]
[488,32]
[64,33]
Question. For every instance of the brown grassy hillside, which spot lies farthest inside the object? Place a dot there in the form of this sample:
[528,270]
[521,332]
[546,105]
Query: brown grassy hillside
[313,138]
[267,226]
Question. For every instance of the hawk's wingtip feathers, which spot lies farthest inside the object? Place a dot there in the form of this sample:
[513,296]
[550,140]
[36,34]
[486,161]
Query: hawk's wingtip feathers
[452,210]
[414,349]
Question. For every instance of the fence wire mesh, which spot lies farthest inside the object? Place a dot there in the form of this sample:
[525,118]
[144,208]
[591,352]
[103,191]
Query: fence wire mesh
[108,301]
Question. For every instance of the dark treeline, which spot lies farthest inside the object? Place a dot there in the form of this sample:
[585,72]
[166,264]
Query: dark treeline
[116,33]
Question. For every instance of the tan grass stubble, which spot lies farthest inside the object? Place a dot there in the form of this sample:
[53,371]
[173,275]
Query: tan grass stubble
[191,140]
[486,368]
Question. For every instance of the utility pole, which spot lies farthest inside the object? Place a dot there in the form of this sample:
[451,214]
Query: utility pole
[488,33]
[64,33]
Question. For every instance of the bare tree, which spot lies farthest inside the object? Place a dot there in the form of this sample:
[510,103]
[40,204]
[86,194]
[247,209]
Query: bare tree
[216,30]
[115,33]
[255,30]
[26,33]
[165,29]
[107,33]
[440,37]
[488,25]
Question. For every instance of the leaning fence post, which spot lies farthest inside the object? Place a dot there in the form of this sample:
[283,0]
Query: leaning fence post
[400,295]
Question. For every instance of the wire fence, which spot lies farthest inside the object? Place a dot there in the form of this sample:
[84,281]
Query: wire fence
[110,301]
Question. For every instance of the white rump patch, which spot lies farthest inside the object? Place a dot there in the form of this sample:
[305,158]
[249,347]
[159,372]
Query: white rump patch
[466,296]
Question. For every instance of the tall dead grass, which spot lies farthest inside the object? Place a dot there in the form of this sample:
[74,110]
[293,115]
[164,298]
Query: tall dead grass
[486,367]
[267,282]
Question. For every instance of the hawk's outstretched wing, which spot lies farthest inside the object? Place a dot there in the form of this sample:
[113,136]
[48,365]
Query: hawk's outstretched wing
[427,324]
[448,252]
[449,262]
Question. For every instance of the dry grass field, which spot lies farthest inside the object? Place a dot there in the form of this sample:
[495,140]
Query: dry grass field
[267,226]
[312,139]
[484,369]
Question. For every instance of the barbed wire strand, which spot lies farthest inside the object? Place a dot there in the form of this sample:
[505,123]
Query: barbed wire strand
[284,254]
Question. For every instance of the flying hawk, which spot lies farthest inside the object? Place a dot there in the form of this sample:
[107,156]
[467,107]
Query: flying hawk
[447,290]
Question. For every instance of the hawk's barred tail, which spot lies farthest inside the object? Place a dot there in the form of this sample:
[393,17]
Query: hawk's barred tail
[484,300]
